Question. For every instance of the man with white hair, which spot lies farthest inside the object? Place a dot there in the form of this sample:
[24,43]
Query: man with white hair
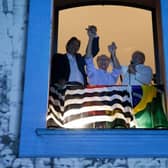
[136,73]
[100,75]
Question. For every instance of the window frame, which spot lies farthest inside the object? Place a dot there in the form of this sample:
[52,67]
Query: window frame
[35,139]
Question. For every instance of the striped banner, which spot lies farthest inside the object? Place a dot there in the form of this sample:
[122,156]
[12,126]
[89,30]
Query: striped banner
[93,107]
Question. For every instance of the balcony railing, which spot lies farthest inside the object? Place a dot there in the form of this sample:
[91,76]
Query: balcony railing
[74,106]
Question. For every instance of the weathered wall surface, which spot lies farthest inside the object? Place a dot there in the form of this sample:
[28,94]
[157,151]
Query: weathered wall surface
[13,28]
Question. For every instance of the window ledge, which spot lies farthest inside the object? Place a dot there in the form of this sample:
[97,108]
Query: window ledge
[106,132]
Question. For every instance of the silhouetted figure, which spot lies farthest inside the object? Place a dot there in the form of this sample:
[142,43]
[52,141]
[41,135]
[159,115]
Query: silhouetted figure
[100,75]
[69,67]
[137,73]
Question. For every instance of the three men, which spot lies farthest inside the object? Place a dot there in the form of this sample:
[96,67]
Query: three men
[70,67]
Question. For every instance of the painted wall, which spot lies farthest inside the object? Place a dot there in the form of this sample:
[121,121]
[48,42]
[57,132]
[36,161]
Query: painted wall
[13,28]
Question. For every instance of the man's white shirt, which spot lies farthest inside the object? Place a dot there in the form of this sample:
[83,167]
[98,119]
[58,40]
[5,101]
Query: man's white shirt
[75,74]
[142,76]
[99,76]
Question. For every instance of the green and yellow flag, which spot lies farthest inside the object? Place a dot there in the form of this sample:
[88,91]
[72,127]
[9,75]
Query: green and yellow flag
[148,106]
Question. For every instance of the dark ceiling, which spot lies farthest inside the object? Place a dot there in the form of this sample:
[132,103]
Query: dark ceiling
[146,4]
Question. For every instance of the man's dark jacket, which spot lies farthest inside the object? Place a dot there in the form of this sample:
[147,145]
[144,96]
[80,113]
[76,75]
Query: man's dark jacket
[60,68]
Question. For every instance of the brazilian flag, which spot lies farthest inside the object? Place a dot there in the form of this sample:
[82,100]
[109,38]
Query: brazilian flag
[149,106]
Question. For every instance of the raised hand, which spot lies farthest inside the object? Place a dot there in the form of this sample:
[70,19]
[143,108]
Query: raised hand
[91,31]
[112,48]
[131,69]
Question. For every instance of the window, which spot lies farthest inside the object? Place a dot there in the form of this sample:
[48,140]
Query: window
[36,141]
[130,34]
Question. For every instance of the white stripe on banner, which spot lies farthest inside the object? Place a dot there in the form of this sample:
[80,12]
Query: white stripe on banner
[68,113]
[96,98]
[51,116]
[56,102]
[59,115]
[97,90]
[81,122]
